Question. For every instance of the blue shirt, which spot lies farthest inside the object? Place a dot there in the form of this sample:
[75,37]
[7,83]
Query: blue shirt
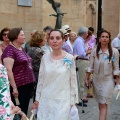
[79,47]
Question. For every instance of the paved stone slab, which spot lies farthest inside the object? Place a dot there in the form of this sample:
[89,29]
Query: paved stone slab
[92,112]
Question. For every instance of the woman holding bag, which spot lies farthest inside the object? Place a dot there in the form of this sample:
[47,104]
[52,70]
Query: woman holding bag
[57,85]
[104,65]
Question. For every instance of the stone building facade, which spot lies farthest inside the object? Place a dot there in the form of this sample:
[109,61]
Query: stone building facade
[79,13]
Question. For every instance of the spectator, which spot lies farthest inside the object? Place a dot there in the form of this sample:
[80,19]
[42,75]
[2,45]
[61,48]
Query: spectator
[46,48]
[27,44]
[19,68]
[36,42]
[7,109]
[4,38]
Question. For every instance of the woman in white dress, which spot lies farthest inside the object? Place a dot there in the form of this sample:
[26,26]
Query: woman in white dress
[104,65]
[57,88]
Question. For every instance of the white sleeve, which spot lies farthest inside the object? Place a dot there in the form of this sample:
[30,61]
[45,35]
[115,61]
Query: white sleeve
[114,43]
[40,80]
[73,84]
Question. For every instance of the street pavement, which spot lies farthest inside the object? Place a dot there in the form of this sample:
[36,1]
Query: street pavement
[92,112]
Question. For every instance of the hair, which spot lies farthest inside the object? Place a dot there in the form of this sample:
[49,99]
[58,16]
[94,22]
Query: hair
[2,31]
[37,38]
[91,29]
[13,34]
[89,34]
[47,28]
[62,35]
[73,33]
[109,45]
[82,30]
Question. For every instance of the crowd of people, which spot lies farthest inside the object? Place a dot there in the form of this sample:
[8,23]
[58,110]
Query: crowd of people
[56,67]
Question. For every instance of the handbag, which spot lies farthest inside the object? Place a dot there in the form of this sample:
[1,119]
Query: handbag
[74,113]
[17,117]
[33,115]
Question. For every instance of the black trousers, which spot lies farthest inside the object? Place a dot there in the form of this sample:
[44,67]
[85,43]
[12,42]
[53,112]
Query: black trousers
[24,96]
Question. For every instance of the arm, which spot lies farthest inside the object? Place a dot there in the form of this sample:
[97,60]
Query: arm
[0,55]
[8,62]
[73,84]
[89,69]
[79,49]
[39,85]
[116,71]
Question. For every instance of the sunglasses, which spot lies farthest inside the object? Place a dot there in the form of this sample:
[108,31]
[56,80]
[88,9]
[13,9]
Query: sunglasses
[5,34]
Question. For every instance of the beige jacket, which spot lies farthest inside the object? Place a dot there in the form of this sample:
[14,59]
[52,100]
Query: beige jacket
[111,67]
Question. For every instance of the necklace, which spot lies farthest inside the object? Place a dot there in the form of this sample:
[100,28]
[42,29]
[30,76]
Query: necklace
[16,47]
[28,61]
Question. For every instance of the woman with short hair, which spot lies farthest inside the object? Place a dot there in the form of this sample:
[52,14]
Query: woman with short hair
[4,38]
[36,42]
[19,68]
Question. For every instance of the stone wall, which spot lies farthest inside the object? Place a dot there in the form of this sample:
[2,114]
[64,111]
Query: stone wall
[12,15]
[79,13]
[111,13]
[75,17]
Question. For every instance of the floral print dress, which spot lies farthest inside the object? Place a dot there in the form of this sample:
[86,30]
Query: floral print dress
[4,95]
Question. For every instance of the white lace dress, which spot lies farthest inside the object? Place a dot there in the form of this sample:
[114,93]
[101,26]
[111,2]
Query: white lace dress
[57,88]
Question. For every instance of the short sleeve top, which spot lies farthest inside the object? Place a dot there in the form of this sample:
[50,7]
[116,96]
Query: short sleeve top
[22,68]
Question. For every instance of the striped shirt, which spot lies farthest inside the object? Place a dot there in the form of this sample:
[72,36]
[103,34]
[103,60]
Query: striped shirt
[22,68]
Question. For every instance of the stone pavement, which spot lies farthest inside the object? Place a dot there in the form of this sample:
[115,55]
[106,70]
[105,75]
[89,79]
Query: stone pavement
[92,113]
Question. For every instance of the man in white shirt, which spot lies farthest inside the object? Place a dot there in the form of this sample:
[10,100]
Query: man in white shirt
[116,42]
[46,48]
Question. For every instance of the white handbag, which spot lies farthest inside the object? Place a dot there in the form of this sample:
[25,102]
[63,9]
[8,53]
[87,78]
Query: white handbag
[74,115]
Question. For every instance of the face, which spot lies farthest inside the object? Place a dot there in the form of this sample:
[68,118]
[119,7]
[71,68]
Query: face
[66,37]
[5,36]
[21,38]
[72,37]
[47,33]
[55,40]
[43,42]
[104,38]
[85,35]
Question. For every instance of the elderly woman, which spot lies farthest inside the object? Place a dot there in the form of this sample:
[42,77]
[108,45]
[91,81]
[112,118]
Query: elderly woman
[4,37]
[37,41]
[19,69]
[71,40]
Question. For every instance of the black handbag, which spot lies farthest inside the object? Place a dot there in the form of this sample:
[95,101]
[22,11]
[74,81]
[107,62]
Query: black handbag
[17,117]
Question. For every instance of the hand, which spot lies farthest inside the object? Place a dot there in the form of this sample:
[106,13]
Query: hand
[24,117]
[117,87]
[35,105]
[89,84]
[15,92]
[86,83]
[15,109]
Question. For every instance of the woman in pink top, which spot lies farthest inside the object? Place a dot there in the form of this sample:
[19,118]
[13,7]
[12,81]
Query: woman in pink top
[19,69]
